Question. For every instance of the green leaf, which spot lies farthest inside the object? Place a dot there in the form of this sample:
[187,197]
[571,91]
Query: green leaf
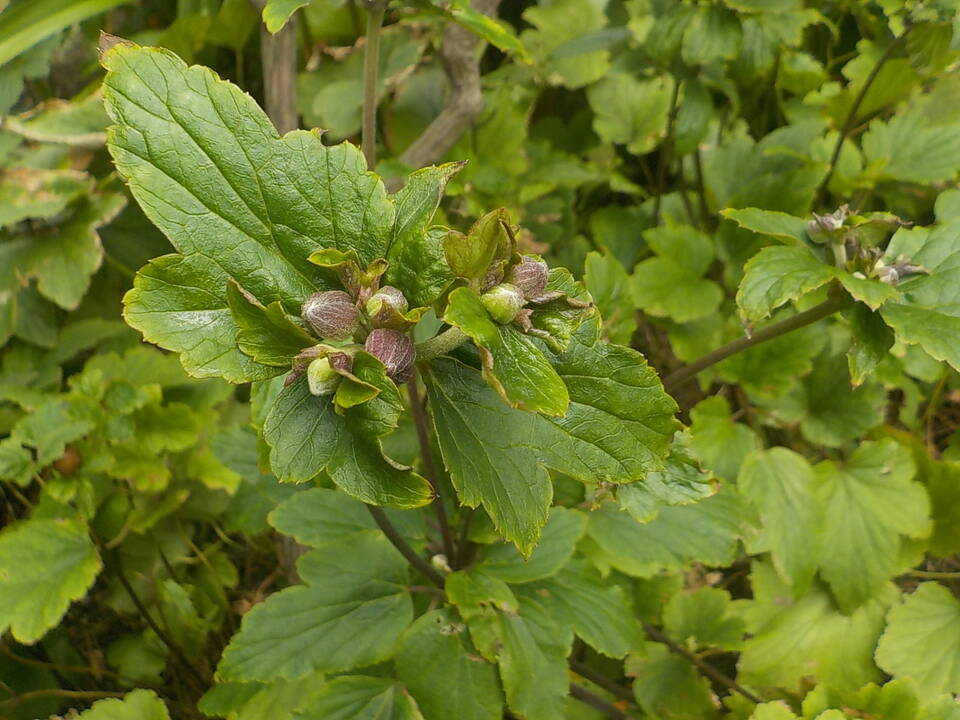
[780,483]
[276,13]
[486,244]
[350,613]
[872,340]
[795,640]
[44,566]
[561,24]
[491,453]
[306,436]
[910,148]
[620,421]
[39,193]
[922,640]
[631,111]
[719,442]
[560,535]
[776,275]
[210,171]
[136,705]
[671,284]
[870,502]
[440,666]
[418,265]
[598,612]
[609,285]
[785,228]
[703,616]
[668,686]
[356,697]
[713,34]
[266,334]
[705,532]
[560,318]
[494,31]
[25,25]
[928,315]
[512,364]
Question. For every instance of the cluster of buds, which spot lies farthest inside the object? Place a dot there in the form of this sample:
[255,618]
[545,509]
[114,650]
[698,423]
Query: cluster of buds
[826,228]
[891,274]
[375,317]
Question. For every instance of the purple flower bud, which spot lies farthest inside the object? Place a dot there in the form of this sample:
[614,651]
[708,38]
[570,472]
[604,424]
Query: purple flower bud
[386,299]
[503,302]
[331,314]
[530,275]
[395,350]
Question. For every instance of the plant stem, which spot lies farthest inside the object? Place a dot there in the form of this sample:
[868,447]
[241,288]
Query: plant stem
[371,65]
[708,670]
[57,692]
[383,522]
[596,702]
[934,574]
[463,544]
[665,149]
[588,673]
[441,344]
[851,119]
[430,468]
[808,317]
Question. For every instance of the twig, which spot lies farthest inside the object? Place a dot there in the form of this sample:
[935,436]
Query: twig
[54,666]
[665,149]
[708,670]
[371,65]
[709,222]
[808,317]
[430,468]
[463,542]
[458,53]
[383,522]
[450,339]
[597,703]
[934,574]
[57,692]
[597,678]
[851,119]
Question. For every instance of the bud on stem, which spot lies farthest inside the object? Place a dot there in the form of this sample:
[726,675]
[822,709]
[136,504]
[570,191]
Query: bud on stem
[503,302]
[395,350]
[332,314]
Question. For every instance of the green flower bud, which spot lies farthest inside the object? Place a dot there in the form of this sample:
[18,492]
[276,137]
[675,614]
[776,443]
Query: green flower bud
[322,379]
[530,275]
[387,301]
[503,302]
[395,350]
[331,314]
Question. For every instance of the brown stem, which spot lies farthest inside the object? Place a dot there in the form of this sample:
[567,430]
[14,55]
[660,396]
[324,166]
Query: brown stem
[430,468]
[383,522]
[708,670]
[279,59]
[851,119]
[597,703]
[808,317]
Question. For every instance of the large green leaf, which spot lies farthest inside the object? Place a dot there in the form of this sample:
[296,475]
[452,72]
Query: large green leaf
[44,566]
[440,666]
[307,436]
[778,274]
[136,705]
[491,451]
[780,483]
[910,148]
[350,613]
[922,640]
[211,172]
[356,697]
[512,363]
[929,313]
[870,503]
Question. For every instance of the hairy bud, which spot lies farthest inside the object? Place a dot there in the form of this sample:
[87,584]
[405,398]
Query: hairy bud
[322,379]
[386,301]
[331,314]
[503,302]
[395,350]
[530,275]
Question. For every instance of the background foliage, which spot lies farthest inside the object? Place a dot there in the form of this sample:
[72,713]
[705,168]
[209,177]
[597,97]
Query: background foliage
[795,557]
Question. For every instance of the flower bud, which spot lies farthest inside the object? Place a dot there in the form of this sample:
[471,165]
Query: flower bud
[386,298]
[503,302]
[395,350]
[331,314]
[530,275]
[322,379]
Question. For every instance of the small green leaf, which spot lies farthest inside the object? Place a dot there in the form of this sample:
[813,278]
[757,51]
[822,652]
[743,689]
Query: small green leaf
[494,31]
[512,364]
[776,275]
[276,13]
[870,502]
[440,666]
[872,340]
[713,34]
[668,686]
[703,616]
[356,697]
[136,705]
[922,640]
[911,148]
[785,228]
[39,193]
[631,111]
[350,613]
[719,442]
[486,244]
[266,334]
[560,536]
[44,566]
[609,285]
